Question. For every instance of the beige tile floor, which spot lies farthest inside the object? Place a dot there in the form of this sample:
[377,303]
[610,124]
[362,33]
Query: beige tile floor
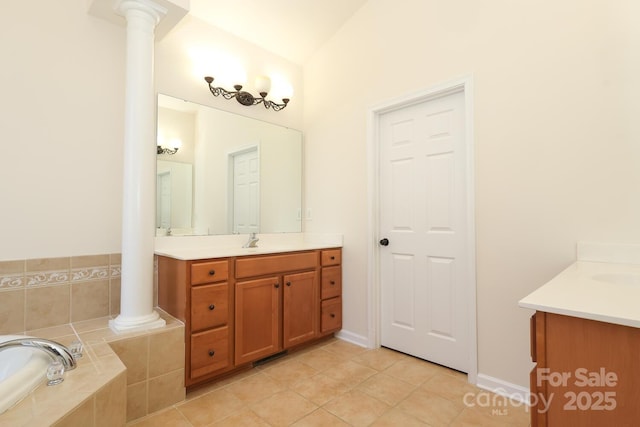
[336,383]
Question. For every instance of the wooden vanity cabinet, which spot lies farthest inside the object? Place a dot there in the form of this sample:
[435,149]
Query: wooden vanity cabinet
[199,294]
[239,310]
[586,374]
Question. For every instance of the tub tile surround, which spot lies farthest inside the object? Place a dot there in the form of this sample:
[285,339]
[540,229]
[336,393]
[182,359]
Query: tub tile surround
[39,293]
[121,377]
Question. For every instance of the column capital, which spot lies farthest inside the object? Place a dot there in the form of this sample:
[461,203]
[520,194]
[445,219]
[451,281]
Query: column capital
[166,13]
[151,8]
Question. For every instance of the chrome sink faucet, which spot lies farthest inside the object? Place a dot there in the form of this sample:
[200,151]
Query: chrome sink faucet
[252,242]
[54,349]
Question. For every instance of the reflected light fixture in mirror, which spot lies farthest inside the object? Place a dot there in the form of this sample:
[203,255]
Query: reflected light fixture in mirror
[172,148]
[263,85]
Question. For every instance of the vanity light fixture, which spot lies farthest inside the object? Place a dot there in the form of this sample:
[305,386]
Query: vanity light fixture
[263,84]
[175,145]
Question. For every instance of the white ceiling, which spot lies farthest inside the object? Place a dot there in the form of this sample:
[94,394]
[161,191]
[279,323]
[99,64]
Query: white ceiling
[293,29]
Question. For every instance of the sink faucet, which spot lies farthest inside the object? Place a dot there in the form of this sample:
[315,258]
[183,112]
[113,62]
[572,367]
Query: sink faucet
[53,349]
[252,242]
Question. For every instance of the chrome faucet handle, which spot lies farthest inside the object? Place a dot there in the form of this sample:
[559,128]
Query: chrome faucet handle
[55,350]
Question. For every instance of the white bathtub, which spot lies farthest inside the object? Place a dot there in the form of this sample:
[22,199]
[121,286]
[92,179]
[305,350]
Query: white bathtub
[22,369]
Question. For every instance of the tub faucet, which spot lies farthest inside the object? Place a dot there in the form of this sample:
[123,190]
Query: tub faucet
[252,242]
[54,349]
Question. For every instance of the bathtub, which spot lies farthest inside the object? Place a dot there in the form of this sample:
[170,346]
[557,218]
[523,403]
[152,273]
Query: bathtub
[22,369]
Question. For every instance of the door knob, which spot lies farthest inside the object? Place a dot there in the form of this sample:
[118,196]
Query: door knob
[384,242]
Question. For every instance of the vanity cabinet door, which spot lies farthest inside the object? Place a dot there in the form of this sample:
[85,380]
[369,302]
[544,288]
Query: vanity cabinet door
[209,272]
[209,306]
[331,257]
[257,326]
[331,318]
[209,351]
[300,313]
[331,282]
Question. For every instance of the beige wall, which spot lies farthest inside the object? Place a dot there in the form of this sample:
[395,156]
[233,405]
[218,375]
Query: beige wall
[61,117]
[557,154]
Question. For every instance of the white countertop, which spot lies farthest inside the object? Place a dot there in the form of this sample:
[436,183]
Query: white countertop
[202,247]
[603,291]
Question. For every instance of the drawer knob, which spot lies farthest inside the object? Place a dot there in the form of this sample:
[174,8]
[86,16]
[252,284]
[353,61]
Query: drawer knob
[332,315]
[211,307]
[211,353]
[212,272]
[288,283]
[332,257]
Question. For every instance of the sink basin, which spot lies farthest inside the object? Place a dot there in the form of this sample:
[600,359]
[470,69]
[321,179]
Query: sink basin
[618,278]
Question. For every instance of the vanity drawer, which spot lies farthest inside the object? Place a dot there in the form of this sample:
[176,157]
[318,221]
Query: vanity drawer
[209,306]
[331,282]
[263,265]
[331,257]
[209,272]
[331,317]
[209,351]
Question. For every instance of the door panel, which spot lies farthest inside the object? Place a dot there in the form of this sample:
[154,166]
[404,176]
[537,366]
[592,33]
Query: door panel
[246,192]
[300,314]
[257,319]
[423,199]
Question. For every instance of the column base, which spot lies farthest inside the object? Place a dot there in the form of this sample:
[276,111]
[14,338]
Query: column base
[138,323]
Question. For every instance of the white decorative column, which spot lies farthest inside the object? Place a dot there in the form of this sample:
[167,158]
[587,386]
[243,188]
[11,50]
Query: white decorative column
[138,204]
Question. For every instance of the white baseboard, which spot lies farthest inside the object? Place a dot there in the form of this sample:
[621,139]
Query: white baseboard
[495,385]
[353,338]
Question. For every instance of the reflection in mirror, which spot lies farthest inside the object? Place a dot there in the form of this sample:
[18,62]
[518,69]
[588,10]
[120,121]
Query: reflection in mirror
[232,174]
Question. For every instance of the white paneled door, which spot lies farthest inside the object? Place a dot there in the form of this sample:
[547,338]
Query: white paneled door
[423,229]
[246,191]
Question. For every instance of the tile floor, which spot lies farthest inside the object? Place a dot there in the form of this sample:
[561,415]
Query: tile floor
[336,383]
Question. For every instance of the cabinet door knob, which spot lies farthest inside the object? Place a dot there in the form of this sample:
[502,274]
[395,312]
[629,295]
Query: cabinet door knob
[288,283]
[276,285]
[211,353]
[333,282]
[332,315]
[212,272]
[211,307]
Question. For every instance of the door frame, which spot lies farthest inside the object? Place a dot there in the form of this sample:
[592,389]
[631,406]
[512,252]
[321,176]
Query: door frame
[465,85]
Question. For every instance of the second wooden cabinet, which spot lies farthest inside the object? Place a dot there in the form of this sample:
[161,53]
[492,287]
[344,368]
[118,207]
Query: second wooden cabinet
[239,310]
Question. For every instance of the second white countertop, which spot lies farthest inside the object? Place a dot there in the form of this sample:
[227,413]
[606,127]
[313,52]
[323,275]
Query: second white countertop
[607,292]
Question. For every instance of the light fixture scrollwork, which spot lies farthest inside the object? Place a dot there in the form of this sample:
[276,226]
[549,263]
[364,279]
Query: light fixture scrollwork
[173,147]
[245,98]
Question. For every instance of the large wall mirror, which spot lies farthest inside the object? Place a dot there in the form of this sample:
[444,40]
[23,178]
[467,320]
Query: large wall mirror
[232,174]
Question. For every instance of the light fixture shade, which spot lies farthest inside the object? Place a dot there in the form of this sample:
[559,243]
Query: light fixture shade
[175,143]
[263,84]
